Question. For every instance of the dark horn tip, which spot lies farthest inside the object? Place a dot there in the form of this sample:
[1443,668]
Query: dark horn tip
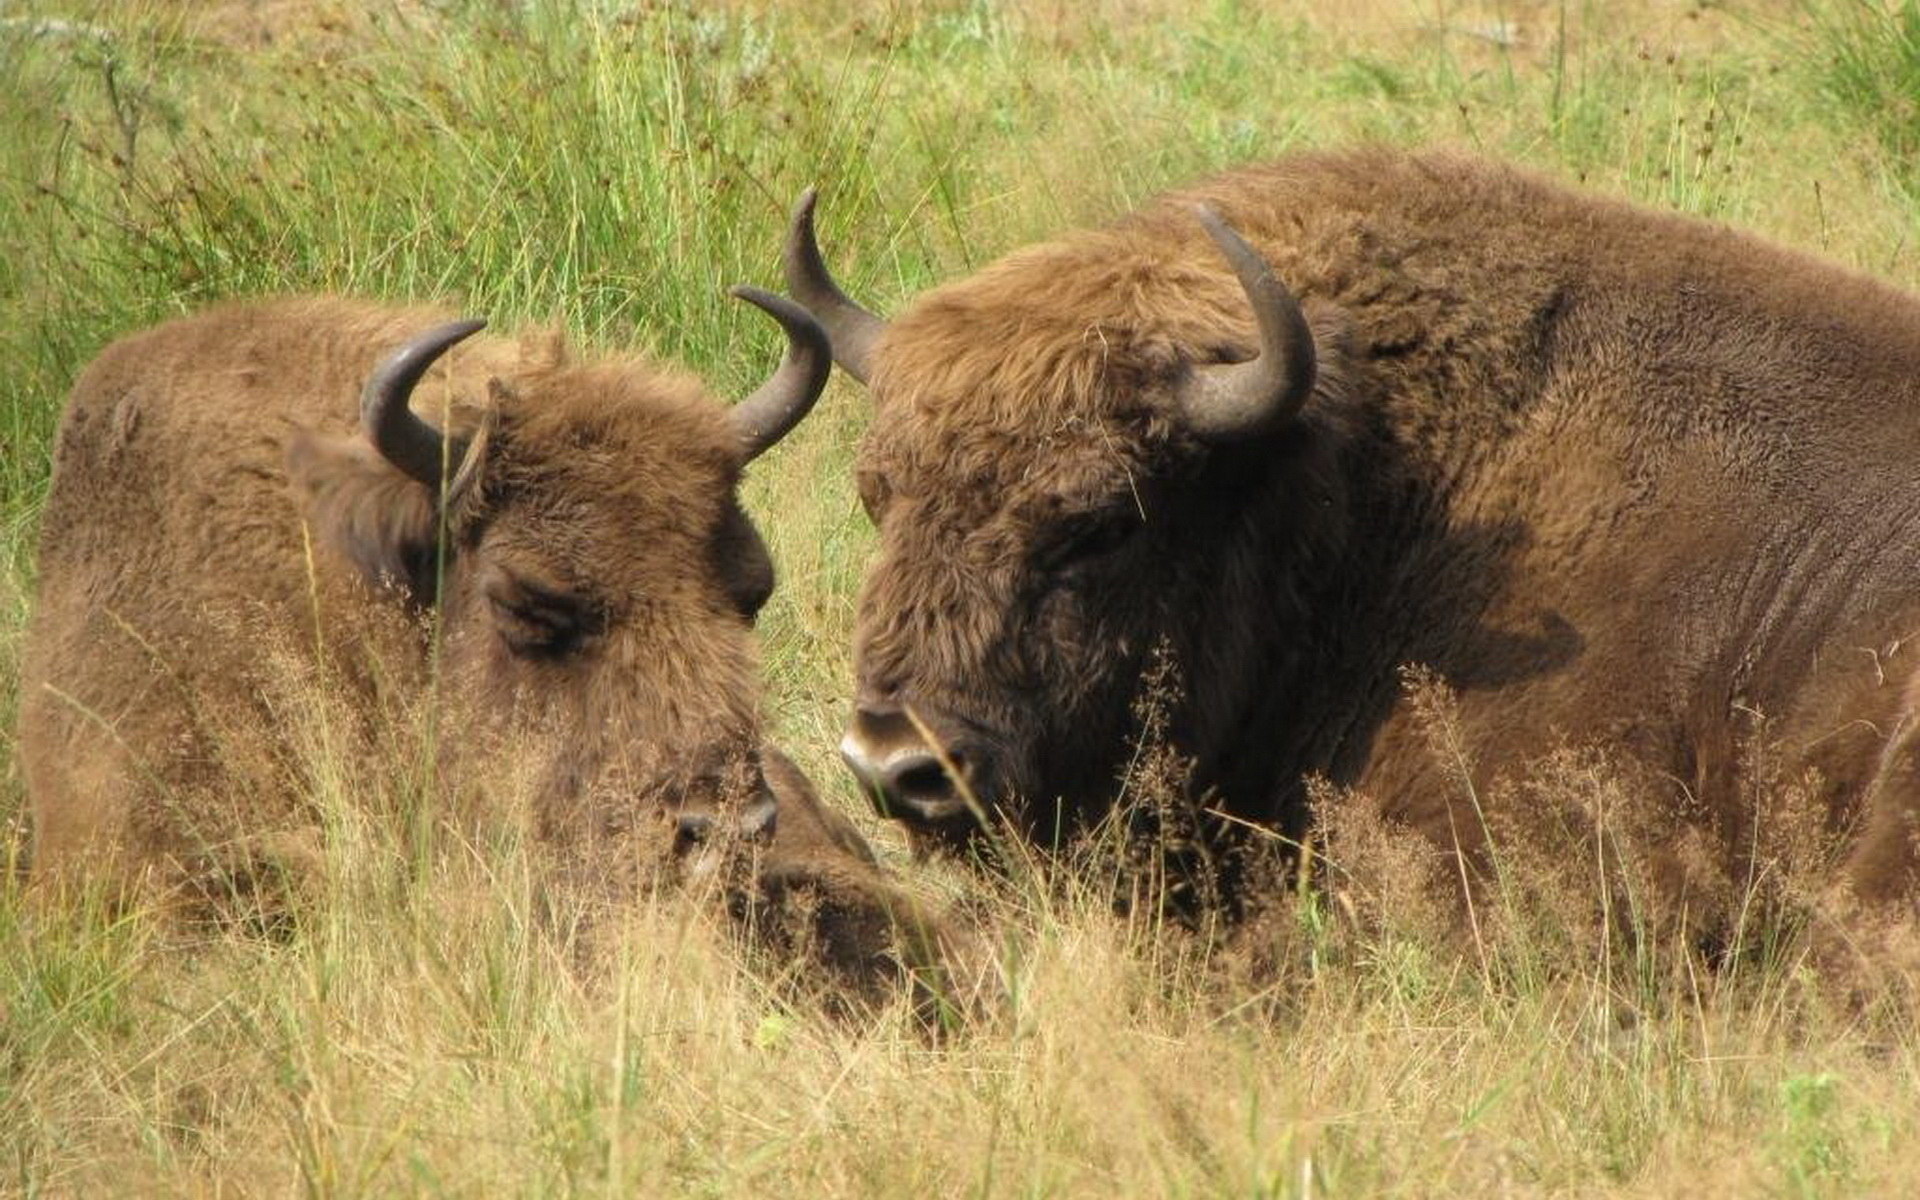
[402,438]
[794,318]
[1224,235]
[803,207]
[778,405]
[801,240]
[1252,398]
[851,329]
[403,368]
[801,254]
[437,341]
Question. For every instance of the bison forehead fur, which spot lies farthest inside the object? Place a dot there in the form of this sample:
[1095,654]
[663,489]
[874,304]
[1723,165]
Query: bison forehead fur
[218,520]
[1614,475]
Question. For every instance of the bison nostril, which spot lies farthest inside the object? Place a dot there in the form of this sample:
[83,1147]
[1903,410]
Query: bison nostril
[903,776]
[922,777]
[691,830]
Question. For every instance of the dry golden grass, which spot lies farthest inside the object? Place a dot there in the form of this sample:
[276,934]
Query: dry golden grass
[611,166]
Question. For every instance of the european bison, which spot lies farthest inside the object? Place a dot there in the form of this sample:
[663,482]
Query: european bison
[1619,477]
[275,500]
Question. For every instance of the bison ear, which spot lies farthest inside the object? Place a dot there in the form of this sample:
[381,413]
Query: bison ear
[359,506]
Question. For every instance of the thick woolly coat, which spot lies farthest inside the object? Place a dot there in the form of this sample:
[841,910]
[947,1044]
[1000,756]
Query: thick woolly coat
[230,574]
[1619,477]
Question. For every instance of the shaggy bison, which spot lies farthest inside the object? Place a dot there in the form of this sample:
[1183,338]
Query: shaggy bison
[273,503]
[1620,478]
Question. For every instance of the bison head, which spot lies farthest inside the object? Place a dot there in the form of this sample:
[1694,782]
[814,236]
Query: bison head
[573,547]
[1070,467]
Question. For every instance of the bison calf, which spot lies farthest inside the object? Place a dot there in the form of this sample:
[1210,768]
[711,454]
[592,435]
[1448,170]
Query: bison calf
[550,553]
[1617,477]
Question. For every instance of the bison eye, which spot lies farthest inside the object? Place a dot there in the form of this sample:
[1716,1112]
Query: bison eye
[539,622]
[1091,536]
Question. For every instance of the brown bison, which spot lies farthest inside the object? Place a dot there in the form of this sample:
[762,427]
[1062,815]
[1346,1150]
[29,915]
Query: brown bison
[278,499]
[1620,478]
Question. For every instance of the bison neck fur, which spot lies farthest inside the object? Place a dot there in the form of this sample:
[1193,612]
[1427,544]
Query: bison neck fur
[1617,478]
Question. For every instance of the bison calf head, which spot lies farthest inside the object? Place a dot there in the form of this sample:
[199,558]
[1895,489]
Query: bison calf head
[1068,467]
[577,554]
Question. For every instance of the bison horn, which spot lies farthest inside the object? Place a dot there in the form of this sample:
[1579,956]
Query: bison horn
[1246,400]
[403,439]
[777,406]
[852,329]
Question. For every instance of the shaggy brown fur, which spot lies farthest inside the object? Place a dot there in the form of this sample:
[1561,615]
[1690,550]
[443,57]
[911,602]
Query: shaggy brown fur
[222,542]
[1618,477]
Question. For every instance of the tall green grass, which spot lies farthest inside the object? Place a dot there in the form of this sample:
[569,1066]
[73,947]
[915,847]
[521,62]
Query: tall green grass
[610,167]
[1865,57]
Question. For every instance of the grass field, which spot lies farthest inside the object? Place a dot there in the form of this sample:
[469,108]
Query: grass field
[611,167]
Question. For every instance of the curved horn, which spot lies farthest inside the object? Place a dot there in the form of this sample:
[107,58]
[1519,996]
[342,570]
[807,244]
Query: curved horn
[852,329]
[778,404]
[402,438]
[1249,399]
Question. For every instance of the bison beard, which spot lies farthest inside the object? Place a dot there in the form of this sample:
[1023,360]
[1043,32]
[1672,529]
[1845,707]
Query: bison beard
[557,583]
[1611,478]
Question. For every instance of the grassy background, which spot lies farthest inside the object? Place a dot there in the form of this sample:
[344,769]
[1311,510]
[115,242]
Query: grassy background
[611,167]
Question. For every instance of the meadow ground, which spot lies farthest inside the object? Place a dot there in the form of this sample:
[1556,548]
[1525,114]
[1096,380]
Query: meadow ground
[611,167]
